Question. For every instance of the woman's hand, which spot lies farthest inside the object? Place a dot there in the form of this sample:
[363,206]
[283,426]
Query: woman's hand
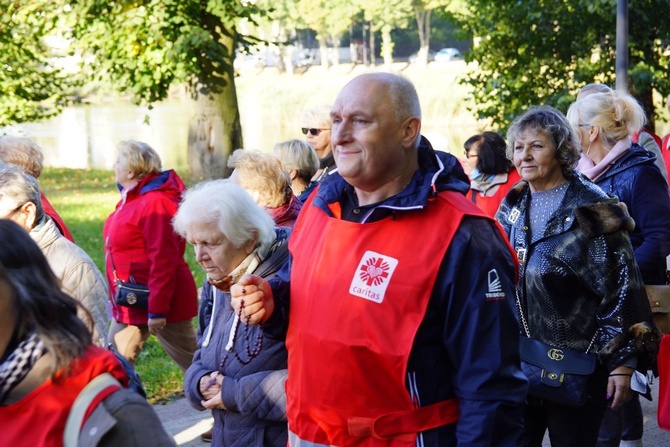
[255,295]
[214,402]
[210,384]
[618,385]
[156,324]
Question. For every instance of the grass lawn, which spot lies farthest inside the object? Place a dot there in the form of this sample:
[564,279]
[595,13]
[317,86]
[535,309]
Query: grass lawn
[84,199]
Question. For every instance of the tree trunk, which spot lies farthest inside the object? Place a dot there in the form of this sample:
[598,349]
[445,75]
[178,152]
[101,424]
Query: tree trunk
[215,130]
[281,39]
[387,45]
[423,25]
[373,49]
[323,50]
[336,50]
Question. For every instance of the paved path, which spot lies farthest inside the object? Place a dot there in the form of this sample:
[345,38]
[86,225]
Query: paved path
[185,424]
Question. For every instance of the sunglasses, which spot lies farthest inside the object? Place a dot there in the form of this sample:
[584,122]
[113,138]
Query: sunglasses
[314,132]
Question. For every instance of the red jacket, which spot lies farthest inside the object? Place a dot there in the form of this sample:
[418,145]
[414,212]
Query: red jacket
[39,418]
[490,204]
[140,242]
[285,215]
[51,212]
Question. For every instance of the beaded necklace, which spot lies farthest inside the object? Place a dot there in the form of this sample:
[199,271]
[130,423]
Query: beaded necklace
[252,353]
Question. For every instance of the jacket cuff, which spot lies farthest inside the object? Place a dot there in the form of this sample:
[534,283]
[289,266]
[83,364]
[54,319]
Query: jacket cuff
[228,391]
[157,315]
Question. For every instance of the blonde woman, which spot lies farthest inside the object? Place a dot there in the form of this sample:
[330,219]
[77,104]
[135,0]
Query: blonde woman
[141,247]
[263,176]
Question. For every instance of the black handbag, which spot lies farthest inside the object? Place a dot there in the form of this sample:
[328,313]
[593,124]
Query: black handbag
[555,374]
[130,294]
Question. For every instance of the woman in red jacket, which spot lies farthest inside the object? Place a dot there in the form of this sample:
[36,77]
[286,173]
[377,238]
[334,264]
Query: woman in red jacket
[492,175]
[141,247]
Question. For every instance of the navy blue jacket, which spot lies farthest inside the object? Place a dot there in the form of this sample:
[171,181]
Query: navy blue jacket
[638,183]
[466,346]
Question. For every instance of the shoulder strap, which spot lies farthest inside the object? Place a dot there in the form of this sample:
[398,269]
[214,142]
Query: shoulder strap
[81,404]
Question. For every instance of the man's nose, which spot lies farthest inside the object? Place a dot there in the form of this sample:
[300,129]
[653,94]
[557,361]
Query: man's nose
[339,134]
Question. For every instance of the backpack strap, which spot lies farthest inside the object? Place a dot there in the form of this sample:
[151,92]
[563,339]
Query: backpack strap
[80,407]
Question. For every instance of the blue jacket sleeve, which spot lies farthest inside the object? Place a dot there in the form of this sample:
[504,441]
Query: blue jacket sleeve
[473,307]
[192,378]
[650,208]
[277,324]
[260,394]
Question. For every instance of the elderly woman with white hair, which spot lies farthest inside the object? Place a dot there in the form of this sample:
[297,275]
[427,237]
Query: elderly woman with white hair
[237,372]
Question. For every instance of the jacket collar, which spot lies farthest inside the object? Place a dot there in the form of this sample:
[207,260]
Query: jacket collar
[584,203]
[637,155]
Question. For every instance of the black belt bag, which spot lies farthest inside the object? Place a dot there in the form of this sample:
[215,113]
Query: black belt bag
[130,294]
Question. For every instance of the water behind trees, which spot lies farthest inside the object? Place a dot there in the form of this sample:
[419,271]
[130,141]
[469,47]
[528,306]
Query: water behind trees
[270,105]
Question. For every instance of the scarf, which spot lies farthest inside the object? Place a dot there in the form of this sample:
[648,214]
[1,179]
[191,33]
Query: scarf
[19,363]
[487,185]
[593,171]
[248,265]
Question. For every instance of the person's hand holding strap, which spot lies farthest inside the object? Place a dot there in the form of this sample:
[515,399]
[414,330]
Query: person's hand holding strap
[618,385]
[254,295]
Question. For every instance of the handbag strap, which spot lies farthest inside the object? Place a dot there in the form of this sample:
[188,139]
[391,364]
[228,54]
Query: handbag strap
[527,331]
[111,258]
[76,417]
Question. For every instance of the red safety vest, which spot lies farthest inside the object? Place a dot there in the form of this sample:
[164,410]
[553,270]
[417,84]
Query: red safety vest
[358,295]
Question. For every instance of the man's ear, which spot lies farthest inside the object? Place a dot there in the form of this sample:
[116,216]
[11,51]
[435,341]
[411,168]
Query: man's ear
[411,131]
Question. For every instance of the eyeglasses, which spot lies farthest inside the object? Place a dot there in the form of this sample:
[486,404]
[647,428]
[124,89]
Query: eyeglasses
[470,155]
[314,132]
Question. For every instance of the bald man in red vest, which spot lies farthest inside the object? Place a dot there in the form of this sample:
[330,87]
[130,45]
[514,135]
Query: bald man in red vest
[398,301]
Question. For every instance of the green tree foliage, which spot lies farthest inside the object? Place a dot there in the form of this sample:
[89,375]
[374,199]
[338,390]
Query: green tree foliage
[144,47]
[542,52]
[385,16]
[31,83]
[330,20]
[423,9]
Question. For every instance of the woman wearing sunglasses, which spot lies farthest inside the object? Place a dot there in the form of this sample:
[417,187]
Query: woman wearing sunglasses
[317,133]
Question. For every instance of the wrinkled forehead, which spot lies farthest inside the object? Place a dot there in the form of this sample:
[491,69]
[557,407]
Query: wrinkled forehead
[532,132]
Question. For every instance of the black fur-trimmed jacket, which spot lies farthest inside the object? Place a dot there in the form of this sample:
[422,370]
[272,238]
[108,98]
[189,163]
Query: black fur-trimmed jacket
[578,281]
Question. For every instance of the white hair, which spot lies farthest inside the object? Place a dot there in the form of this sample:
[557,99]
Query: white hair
[227,206]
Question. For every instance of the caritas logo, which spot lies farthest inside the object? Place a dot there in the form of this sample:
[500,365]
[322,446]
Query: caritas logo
[372,276]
